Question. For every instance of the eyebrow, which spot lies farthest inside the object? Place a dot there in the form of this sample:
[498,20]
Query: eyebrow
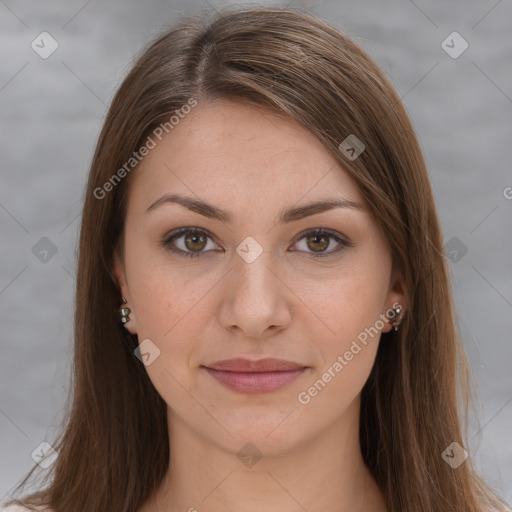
[286,216]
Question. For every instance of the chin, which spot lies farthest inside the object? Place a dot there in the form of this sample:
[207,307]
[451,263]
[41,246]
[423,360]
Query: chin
[272,434]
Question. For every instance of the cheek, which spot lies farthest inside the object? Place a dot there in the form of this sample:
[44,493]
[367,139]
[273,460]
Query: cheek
[346,329]
[163,304]
[333,390]
[170,309]
[345,352]
[170,313]
[163,294]
[344,302]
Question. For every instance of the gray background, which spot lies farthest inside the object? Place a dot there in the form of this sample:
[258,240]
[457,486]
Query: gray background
[51,113]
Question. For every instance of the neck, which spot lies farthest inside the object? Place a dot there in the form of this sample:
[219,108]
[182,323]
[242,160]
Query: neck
[324,473]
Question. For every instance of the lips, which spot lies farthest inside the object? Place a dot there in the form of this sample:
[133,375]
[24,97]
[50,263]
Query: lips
[255,377]
[261,365]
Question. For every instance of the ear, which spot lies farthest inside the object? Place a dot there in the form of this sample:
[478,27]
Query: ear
[120,275]
[396,296]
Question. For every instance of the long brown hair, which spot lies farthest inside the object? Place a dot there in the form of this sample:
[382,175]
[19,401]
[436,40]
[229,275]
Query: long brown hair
[114,446]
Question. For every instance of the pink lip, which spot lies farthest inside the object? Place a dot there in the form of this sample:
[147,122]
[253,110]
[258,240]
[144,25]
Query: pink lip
[254,377]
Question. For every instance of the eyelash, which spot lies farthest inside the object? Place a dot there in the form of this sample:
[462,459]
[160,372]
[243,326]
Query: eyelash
[167,241]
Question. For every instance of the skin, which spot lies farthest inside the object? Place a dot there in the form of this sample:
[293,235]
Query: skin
[288,304]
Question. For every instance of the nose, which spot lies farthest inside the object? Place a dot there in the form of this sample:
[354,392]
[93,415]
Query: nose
[256,300]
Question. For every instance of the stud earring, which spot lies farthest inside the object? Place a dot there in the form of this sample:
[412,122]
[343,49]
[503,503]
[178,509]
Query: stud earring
[124,312]
[396,322]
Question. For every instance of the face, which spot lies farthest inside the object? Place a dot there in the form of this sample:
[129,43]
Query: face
[238,279]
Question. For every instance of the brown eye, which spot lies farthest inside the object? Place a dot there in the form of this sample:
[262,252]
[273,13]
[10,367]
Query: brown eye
[195,242]
[317,243]
[190,242]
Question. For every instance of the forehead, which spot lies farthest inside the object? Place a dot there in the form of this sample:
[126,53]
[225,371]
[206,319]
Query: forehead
[233,154]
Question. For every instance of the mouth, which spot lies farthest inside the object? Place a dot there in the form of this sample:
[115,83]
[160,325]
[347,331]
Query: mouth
[255,377]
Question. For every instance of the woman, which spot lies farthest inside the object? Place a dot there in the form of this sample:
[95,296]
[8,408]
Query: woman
[264,318]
